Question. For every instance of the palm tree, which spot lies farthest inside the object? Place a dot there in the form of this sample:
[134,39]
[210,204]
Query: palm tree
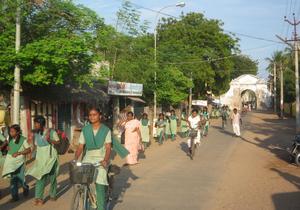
[281,60]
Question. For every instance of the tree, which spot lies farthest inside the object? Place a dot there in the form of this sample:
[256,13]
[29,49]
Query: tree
[195,45]
[173,86]
[285,60]
[243,65]
[57,42]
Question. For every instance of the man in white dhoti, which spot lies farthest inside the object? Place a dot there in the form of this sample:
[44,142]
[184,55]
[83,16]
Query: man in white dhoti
[236,122]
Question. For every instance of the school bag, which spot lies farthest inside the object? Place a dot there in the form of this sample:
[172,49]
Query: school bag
[64,142]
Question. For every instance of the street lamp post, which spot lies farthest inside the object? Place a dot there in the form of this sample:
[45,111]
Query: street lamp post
[179,4]
[17,79]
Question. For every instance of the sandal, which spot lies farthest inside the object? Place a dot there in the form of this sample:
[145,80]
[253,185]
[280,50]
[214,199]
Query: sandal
[38,202]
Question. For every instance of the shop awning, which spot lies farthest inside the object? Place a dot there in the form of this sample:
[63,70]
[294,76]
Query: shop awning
[137,99]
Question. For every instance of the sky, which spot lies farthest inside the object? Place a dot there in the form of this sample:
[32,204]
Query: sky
[258,18]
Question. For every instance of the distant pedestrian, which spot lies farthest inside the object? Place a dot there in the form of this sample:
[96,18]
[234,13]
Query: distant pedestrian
[194,122]
[206,117]
[167,126]
[224,115]
[160,126]
[145,130]
[133,137]
[14,165]
[173,125]
[183,124]
[236,122]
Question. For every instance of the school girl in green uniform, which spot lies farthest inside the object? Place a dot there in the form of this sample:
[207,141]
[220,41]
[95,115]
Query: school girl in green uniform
[183,124]
[96,140]
[145,130]
[46,164]
[14,165]
[173,125]
[161,126]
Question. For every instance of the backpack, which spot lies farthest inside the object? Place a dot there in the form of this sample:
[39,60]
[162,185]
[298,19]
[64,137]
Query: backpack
[64,142]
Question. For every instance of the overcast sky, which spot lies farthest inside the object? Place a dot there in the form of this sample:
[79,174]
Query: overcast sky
[259,18]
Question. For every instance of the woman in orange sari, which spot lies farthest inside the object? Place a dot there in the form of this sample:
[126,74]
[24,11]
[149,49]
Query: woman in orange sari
[133,138]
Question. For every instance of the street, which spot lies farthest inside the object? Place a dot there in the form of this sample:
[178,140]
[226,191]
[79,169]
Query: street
[250,172]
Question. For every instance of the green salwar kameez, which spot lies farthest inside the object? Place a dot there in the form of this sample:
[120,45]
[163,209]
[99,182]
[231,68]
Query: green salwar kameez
[167,129]
[173,127]
[14,167]
[161,125]
[184,125]
[46,165]
[145,132]
[206,126]
[94,141]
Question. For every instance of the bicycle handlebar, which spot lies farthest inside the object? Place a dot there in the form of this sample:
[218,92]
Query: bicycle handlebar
[81,163]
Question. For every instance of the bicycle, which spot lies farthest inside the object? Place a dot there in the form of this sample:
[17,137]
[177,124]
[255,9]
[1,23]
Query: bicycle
[193,133]
[82,175]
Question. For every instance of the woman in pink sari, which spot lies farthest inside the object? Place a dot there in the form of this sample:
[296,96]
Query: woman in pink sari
[132,138]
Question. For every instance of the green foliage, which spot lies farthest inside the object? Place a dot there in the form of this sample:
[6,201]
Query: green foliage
[49,61]
[57,42]
[285,60]
[173,86]
[61,41]
[243,65]
[194,45]
[129,22]
[289,86]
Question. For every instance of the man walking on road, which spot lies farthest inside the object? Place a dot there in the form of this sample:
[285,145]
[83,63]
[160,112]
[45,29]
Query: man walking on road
[236,122]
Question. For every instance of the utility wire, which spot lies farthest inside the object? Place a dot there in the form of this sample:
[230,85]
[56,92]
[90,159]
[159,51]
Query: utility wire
[138,6]
[221,58]
[253,37]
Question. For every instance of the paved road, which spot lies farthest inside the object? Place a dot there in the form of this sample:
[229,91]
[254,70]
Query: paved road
[168,179]
[165,179]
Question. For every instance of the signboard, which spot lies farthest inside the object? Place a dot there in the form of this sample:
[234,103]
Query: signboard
[199,102]
[216,101]
[125,89]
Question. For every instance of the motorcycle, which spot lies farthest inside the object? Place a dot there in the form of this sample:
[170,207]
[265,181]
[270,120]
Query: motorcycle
[295,151]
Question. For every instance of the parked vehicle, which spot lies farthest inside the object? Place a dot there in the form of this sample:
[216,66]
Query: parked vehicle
[295,150]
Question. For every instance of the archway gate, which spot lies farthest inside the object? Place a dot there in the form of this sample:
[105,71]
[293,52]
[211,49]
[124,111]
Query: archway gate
[247,82]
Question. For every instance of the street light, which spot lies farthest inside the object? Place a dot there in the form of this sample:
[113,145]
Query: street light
[179,4]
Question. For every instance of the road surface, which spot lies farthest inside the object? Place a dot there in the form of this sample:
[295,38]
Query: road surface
[221,176]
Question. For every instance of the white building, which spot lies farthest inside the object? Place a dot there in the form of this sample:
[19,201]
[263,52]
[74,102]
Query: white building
[248,89]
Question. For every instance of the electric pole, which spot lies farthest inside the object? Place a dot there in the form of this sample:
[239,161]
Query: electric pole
[295,40]
[17,79]
[190,96]
[275,88]
[281,90]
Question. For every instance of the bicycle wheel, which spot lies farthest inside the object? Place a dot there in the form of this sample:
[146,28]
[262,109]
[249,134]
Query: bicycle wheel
[78,200]
[109,192]
[193,148]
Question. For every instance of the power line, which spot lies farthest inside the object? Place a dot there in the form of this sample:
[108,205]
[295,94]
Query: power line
[138,6]
[254,37]
[222,58]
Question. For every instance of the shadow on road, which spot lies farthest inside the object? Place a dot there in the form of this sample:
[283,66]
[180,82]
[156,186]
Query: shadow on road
[295,180]
[184,147]
[286,201]
[122,182]
[63,187]
[290,200]
[277,133]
